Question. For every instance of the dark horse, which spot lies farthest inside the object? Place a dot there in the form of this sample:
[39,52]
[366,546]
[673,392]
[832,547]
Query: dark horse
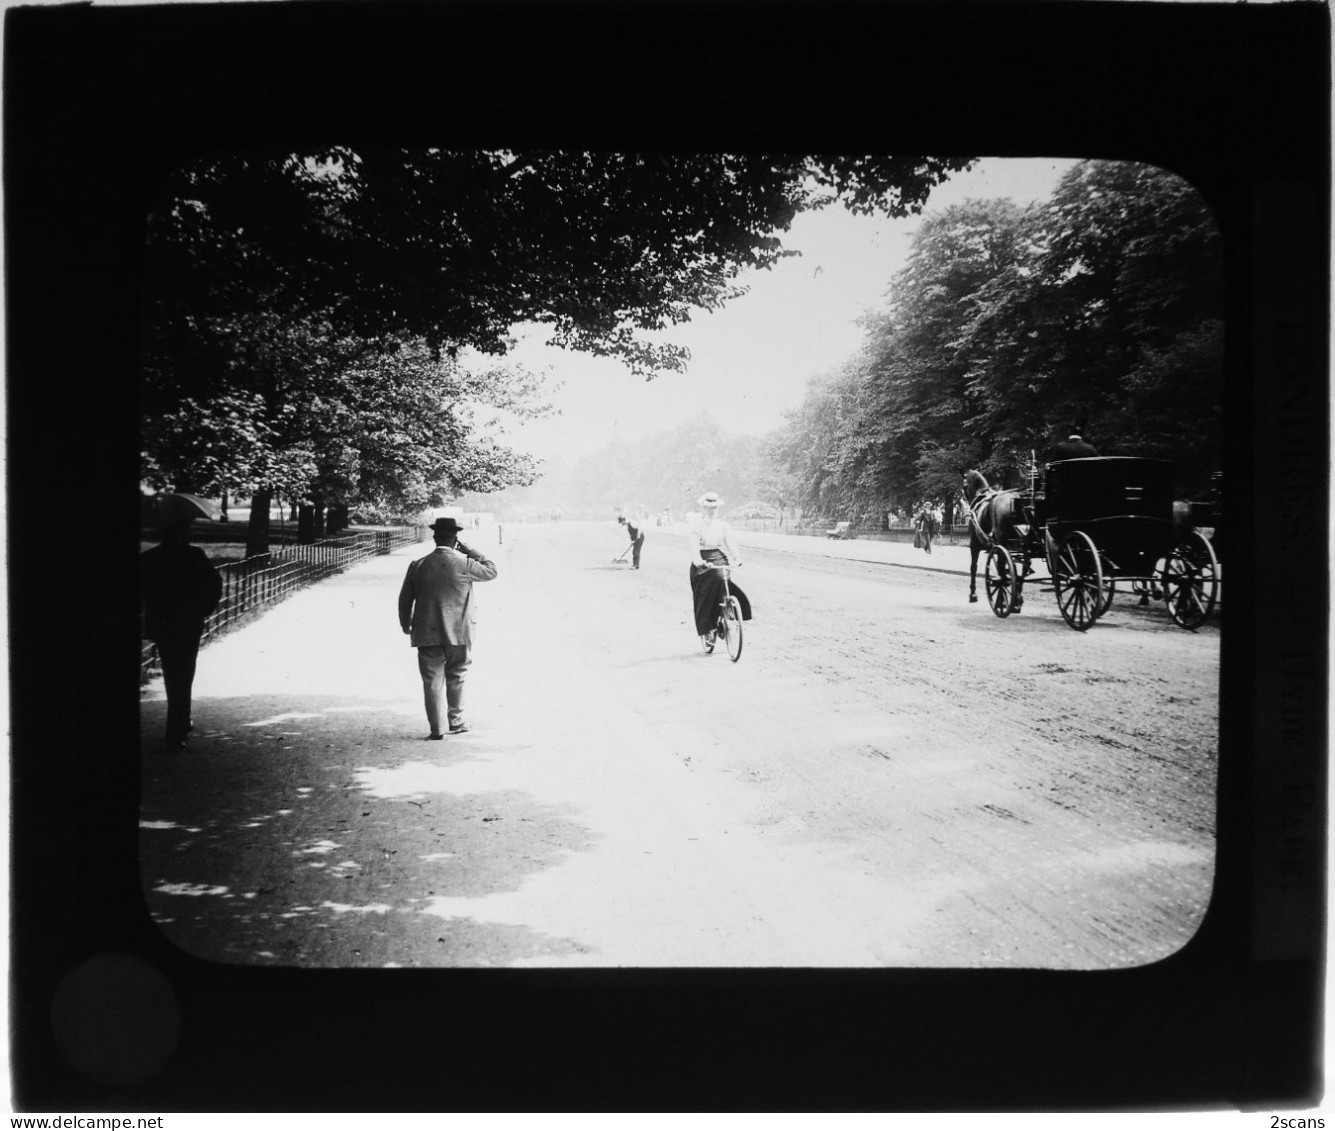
[995,515]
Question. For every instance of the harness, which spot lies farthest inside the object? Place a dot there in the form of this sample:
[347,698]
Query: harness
[981,503]
[976,506]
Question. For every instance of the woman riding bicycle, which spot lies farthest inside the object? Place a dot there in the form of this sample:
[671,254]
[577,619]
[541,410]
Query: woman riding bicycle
[711,540]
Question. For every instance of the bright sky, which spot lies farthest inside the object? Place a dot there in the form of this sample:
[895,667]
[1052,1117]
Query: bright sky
[751,361]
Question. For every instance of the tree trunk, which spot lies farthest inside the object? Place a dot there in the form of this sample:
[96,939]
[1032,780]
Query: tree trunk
[225,517]
[257,529]
[305,523]
[338,518]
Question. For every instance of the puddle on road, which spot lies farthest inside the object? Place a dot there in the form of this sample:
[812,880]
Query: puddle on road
[368,708]
[283,718]
[408,780]
[413,779]
[464,907]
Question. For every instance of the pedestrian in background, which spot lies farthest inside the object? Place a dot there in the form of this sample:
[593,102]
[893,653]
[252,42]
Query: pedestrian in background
[436,612]
[179,588]
[931,526]
[636,532]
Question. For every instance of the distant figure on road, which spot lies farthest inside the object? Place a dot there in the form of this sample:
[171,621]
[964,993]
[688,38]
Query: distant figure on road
[633,528]
[711,540]
[436,611]
[1073,447]
[928,524]
[179,588]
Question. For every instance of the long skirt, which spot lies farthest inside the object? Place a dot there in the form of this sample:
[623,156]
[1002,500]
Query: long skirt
[707,591]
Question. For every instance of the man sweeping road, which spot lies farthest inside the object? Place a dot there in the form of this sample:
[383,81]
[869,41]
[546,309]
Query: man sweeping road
[634,528]
[436,611]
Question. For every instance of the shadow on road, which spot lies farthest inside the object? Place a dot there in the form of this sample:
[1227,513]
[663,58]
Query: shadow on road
[312,831]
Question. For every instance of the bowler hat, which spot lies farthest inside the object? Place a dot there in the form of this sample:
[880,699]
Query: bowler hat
[446,524]
[710,499]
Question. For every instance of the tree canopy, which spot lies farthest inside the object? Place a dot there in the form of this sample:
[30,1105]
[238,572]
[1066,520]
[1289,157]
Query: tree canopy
[284,291]
[1100,310]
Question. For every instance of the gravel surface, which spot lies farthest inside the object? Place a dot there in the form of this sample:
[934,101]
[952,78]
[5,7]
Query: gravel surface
[890,776]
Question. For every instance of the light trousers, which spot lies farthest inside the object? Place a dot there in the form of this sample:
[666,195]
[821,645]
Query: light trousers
[442,667]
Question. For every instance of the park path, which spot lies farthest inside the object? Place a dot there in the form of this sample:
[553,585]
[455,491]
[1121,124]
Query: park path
[623,799]
[309,821]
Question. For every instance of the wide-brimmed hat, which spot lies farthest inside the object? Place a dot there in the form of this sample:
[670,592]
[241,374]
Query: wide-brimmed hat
[710,499]
[447,524]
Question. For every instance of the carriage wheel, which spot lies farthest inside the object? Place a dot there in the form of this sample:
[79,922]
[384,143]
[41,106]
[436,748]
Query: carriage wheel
[1106,588]
[1191,580]
[1077,578]
[731,624]
[1000,581]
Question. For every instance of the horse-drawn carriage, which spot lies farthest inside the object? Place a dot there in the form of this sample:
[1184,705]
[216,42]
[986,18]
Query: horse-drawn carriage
[1099,520]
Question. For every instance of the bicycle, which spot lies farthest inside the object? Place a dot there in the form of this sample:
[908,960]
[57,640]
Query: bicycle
[729,623]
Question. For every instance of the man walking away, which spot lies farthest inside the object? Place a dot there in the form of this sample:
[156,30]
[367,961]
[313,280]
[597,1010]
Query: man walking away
[436,611]
[179,589]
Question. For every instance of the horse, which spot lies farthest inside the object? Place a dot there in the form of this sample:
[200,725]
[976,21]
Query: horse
[994,515]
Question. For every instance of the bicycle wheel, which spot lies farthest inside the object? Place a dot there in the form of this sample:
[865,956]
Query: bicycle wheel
[732,628]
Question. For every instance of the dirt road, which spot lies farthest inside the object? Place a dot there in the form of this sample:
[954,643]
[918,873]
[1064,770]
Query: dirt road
[889,776]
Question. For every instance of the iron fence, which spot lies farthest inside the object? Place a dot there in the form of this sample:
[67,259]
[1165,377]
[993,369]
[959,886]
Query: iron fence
[253,584]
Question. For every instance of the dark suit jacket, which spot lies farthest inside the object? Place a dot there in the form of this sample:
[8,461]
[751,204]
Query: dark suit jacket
[1072,449]
[179,588]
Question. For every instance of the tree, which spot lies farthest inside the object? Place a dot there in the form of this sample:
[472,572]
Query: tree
[1113,327]
[775,486]
[811,445]
[341,422]
[457,248]
[861,438]
[1099,310]
[454,249]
